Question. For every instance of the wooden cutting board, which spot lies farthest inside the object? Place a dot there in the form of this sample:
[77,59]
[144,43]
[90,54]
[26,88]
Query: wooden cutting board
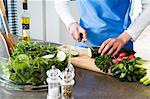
[85,62]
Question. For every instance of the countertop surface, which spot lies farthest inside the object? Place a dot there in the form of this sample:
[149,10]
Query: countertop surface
[90,85]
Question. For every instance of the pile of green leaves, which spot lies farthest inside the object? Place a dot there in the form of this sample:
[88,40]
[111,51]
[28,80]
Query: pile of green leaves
[123,68]
[104,62]
[27,65]
[126,70]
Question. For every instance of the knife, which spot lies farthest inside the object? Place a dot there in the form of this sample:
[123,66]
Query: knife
[86,42]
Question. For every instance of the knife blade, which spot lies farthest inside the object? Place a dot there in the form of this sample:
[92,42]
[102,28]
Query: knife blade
[86,42]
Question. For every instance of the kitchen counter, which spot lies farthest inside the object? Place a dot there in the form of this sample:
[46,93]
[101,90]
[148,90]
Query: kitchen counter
[90,85]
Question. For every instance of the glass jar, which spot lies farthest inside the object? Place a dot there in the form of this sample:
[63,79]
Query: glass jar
[67,83]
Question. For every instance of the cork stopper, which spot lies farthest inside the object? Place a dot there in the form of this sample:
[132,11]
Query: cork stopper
[24,1]
[25,5]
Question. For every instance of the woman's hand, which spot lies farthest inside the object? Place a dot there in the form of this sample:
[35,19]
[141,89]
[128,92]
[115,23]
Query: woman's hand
[112,46]
[75,29]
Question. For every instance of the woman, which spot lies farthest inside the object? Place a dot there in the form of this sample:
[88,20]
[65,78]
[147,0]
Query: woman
[105,23]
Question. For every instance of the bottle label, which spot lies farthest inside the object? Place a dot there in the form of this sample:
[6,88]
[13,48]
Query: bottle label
[25,26]
[25,33]
[25,20]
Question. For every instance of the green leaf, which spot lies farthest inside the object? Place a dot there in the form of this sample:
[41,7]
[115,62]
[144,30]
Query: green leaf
[104,62]
[120,66]
[129,78]
[116,73]
[131,60]
[122,75]
[131,68]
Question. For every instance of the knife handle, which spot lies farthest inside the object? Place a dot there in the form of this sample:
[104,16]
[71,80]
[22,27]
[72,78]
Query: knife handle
[81,36]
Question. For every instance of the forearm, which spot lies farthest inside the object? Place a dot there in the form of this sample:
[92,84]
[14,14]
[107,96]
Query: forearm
[62,8]
[141,22]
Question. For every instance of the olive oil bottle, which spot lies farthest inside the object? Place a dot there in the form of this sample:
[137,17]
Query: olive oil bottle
[25,21]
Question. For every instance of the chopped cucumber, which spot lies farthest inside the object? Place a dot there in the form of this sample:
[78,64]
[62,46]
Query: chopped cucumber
[61,55]
[74,53]
[89,52]
[93,53]
[48,56]
[23,57]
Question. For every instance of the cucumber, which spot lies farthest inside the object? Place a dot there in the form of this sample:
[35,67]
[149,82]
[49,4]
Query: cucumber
[93,53]
[61,55]
[23,57]
[74,53]
[48,56]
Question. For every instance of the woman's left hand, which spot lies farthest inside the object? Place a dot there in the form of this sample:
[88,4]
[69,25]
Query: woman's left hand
[112,46]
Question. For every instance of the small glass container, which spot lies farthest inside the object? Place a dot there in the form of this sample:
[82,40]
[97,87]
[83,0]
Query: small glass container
[67,90]
[53,83]
[67,83]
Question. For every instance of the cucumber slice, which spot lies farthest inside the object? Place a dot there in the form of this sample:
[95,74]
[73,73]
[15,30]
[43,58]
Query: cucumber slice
[61,55]
[23,57]
[93,53]
[74,53]
[48,56]
[89,52]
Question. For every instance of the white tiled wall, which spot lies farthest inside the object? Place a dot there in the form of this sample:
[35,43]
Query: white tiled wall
[35,8]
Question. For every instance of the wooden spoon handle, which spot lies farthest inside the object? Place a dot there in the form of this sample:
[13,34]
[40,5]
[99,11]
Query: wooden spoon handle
[4,18]
[5,43]
[2,7]
[9,39]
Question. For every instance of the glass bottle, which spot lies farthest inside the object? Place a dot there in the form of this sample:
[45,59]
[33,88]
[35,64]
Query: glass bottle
[25,21]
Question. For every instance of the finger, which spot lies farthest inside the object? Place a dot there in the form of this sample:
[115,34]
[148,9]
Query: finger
[117,50]
[76,34]
[73,36]
[108,47]
[112,49]
[103,45]
[84,34]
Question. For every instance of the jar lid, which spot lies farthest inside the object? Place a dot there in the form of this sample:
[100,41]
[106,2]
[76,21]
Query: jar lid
[53,73]
[67,76]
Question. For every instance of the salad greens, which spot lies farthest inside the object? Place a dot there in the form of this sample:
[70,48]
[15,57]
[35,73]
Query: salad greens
[30,61]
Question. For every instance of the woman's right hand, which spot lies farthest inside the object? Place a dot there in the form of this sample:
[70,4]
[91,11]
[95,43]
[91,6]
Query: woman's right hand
[75,29]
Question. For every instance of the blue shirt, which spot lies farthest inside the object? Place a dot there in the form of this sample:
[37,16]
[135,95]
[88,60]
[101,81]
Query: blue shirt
[104,19]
